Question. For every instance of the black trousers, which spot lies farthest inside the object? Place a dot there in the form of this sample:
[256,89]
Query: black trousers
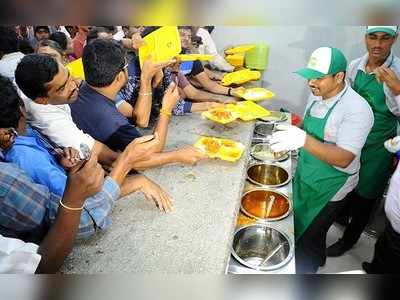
[359,210]
[387,252]
[311,246]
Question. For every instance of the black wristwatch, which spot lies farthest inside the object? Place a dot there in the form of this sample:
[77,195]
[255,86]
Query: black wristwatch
[229,92]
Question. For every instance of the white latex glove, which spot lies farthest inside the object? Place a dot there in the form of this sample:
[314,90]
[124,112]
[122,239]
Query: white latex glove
[288,137]
[393,145]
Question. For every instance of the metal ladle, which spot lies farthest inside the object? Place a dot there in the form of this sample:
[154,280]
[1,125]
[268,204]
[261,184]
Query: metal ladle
[273,252]
[270,204]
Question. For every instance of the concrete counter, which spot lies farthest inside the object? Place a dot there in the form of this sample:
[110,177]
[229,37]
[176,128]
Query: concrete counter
[196,237]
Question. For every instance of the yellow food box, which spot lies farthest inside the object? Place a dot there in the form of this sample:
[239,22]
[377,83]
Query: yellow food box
[236,60]
[224,149]
[256,94]
[240,77]
[248,110]
[222,115]
[193,57]
[240,49]
[163,44]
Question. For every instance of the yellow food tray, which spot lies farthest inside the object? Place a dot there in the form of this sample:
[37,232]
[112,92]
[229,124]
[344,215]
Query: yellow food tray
[248,110]
[163,44]
[224,149]
[240,77]
[222,115]
[240,49]
[236,60]
[255,94]
[192,57]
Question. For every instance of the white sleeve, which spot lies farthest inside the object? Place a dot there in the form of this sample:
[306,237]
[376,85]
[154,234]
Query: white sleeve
[55,122]
[119,35]
[397,98]
[355,128]
[209,47]
[16,256]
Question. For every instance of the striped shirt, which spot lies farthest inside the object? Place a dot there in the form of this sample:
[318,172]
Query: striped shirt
[25,207]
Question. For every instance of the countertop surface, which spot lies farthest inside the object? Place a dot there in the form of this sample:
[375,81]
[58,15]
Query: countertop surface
[196,237]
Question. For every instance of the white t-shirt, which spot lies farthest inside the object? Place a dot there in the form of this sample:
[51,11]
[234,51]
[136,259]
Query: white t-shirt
[208,47]
[392,204]
[8,64]
[16,256]
[56,123]
[347,127]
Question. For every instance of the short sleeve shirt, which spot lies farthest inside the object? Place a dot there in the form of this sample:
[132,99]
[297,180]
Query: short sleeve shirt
[98,116]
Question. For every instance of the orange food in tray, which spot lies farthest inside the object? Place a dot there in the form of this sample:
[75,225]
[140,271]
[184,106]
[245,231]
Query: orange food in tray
[222,115]
[220,148]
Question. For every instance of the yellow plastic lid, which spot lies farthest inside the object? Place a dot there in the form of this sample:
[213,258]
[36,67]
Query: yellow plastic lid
[256,94]
[193,57]
[240,48]
[240,77]
[224,149]
[76,69]
[163,44]
[248,110]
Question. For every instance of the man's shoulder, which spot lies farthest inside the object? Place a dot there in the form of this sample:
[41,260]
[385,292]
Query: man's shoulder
[35,108]
[356,62]
[355,103]
[396,64]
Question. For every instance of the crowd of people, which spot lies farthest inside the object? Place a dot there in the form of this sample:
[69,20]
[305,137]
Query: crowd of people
[75,99]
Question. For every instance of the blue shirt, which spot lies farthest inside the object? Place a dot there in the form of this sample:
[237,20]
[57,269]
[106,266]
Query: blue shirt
[30,154]
[25,205]
[97,116]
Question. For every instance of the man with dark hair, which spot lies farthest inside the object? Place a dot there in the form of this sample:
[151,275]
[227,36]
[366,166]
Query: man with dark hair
[94,112]
[9,54]
[336,124]
[46,165]
[375,76]
[45,81]
[40,33]
[60,38]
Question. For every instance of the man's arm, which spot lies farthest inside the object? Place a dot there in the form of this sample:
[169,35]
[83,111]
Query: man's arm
[59,240]
[329,153]
[171,97]
[202,96]
[105,155]
[187,155]
[211,85]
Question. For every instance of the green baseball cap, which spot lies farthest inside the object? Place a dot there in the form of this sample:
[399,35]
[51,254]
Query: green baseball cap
[391,30]
[324,61]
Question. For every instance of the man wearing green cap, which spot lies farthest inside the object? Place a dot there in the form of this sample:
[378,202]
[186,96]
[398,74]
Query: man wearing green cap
[336,124]
[375,76]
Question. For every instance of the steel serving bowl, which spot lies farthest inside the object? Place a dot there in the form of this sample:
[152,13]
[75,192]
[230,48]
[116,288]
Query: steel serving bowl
[263,152]
[254,243]
[256,203]
[268,175]
[274,117]
[264,129]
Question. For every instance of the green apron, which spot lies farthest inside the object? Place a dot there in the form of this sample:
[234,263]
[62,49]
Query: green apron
[376,161]
[315,182]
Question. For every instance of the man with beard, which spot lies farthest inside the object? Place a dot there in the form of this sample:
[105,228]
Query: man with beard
[336,124]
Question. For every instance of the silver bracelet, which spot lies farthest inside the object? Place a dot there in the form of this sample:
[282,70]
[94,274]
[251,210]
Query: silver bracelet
[145,94]
[71,208]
